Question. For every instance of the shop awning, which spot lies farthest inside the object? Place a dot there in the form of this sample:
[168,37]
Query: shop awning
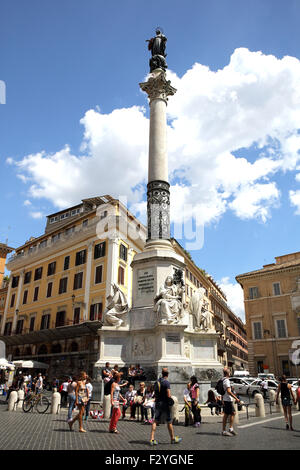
[30,365]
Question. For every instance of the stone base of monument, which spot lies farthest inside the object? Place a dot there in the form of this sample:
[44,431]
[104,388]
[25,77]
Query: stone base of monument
[184,351]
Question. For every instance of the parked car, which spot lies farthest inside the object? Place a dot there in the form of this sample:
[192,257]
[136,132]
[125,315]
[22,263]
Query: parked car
[240,385]
[266,376]
[255,386]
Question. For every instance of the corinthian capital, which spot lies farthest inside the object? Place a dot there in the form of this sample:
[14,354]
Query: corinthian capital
[157,86]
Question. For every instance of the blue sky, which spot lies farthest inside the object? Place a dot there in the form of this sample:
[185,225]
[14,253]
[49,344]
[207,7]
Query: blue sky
[60,59]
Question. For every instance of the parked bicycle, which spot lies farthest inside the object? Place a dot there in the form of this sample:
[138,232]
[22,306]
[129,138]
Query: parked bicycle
[37,400]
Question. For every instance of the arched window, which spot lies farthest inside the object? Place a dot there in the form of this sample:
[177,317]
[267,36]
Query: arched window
[56,348]
[42,349]
[28,351]
[17,352]
[74,346]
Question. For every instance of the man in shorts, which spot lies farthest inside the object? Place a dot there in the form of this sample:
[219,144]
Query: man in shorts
[162,406]
[228,399]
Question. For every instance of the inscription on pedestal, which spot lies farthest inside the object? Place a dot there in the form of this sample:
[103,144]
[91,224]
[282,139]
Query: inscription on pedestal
[145,282]
[173,345]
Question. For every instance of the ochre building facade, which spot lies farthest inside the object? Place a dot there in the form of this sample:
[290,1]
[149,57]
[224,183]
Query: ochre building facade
[272,308]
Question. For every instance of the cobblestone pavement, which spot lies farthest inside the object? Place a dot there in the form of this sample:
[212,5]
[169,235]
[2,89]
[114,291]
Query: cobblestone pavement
[33,431]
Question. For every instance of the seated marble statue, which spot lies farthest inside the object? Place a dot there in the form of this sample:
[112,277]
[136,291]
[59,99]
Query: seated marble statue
[199,310]
[117,307]
[168,302]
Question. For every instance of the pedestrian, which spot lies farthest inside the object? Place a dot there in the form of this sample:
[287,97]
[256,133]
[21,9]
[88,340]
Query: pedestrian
[139,401]
[130,401]
[89,387]
[139,372]
[107,378]
[187,405]
[228,399]
[71,396]
[163,403]
[264,387]
[115,397]
[213,402]
[287,394]
[194,392]
[149,404]
[39,384]
[80,401]
[131,377]
[64,393]
[298,395]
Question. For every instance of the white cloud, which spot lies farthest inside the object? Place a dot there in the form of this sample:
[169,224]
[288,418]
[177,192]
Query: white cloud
[235,296]
[295,200]
[252,103]
[27,202]
[36,215]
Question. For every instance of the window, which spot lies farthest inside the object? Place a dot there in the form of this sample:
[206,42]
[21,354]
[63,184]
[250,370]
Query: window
[12,300]
[67,263]
[53,219]
[19,329]
[78,281]
[38,274]
[45,322]
[27,277]
[63,283]
[51,268]
[257,330]
[80,257]
[260,367]
[25,296]
[60,318]
[69,230]
[121,276]
[103,215]
[7,328]
[85,223]
[99,250]
[123,252]
[96,312]
[36,294]
[15,281]
[76,318]
[64,216]
[98,275]
[286,368]
[276,288]
[298,324]
[49,289]
[55,238]
[43,244]
[253,292]
[31,324]
[281,328]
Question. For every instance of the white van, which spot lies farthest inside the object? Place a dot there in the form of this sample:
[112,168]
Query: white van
[241,373]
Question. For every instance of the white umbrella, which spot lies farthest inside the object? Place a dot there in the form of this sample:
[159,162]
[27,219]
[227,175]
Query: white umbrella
[4,364]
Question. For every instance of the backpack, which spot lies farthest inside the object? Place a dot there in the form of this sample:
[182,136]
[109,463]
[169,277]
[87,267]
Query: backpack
[157,387]
[220,387]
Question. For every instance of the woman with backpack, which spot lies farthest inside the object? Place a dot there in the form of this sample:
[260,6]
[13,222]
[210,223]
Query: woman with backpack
[194,392]
[287,395]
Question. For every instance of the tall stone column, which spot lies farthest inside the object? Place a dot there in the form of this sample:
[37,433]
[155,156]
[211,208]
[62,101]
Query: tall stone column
[158,89]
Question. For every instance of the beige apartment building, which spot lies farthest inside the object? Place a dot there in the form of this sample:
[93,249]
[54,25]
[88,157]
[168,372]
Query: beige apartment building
[272,307]
[60,281]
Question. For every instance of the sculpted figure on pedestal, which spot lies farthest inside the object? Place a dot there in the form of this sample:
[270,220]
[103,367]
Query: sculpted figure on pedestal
[116,309]
[157,46]
[168,302]
[199,310]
